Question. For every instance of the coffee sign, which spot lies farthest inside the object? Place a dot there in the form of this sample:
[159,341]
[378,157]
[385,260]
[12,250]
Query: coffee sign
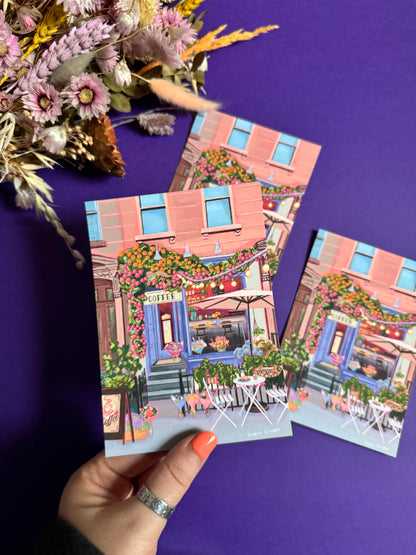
[158,297]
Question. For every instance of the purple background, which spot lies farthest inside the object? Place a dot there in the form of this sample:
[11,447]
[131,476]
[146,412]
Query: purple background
[340,74]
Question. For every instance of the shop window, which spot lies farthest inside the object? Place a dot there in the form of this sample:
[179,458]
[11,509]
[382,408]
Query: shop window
[285,149]
[218,206]
[197,124]
[153,213]
[93,221]
[318,244]
[240,134]
[407,277]
[362,259]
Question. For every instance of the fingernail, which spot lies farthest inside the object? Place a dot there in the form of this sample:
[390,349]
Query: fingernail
[203,444]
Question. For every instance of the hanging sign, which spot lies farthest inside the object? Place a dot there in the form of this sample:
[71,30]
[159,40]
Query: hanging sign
[158,297]
[342,319]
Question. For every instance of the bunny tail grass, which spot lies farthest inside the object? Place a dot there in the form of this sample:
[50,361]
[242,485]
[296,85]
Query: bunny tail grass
[175,95]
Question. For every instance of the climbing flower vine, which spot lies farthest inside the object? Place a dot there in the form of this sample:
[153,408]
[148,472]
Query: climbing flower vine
[338,292]
[144,267]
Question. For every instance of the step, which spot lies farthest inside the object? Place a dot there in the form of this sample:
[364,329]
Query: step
[162,384]
[319,378]
[163,375]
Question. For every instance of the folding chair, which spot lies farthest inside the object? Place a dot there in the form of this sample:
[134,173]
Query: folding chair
[355,409]
[221,400]
[397,426]
[280,396]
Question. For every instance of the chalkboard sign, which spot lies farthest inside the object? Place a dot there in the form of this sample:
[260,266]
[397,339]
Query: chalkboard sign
[115,401]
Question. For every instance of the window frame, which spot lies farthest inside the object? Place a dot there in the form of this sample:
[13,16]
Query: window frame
[94,212]
[209,200]
[318,244]
[287,144]
[241,129]
[410,269]
[150,208]
[362,254]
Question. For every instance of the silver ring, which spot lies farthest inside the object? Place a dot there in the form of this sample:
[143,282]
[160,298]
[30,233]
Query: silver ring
[154,503]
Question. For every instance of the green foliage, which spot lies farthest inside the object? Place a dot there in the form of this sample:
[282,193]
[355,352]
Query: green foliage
[273,358]
[250,363]
[365,393]
[258,331]
[295,348]
[225,373]
[290,364]
[120,367]
[118,381]
[265,346]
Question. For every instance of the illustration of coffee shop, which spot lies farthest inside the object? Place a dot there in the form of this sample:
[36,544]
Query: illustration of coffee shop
[355,309]
[157,258]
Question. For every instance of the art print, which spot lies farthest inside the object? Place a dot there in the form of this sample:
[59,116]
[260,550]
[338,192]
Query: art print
[353,328]
[223,150]
[186,318]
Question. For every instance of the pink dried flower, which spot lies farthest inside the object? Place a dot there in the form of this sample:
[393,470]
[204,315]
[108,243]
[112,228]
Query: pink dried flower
[107,59]
[179,30]
[25,198]
[156,123]
[43,102]
[81,7]
[6,101]
[154,43]
[27,19]
[88,94]
[127,21]
[78,41]
[9,45]
[54,138]
[122,74]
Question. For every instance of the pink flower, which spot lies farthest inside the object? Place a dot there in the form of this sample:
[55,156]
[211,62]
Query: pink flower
[88,94]
[27,19]
[43,102]
[179,30]
[81,7]
[9,45]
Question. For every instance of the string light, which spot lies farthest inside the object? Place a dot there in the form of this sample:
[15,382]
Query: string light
[297,204]
[270,205]
[248,273]
[265,268]
[212,284]
[221,286]
[233,283]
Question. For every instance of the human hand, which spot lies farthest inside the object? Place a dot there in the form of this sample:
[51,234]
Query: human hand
[99,499]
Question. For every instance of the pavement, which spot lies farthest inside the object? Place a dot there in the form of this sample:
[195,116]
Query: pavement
[168,428]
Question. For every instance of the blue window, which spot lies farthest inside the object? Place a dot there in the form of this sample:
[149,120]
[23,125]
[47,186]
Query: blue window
[197,124]
[93,221]
[153,212]
[240,134]
[217,206]
[362,259]
[407,278]
[318,244]
[285,149]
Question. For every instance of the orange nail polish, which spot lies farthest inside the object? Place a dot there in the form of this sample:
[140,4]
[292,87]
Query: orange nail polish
[204,443]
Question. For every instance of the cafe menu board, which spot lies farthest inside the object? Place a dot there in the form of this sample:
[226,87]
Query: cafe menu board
[114,410]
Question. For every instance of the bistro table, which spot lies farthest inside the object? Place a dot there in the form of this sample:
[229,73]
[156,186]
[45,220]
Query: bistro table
[379,411]
[250,385]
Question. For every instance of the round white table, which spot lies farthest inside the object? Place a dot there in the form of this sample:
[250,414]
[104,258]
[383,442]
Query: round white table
[250,385]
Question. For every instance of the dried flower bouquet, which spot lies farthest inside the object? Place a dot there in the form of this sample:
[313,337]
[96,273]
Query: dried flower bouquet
[65,63]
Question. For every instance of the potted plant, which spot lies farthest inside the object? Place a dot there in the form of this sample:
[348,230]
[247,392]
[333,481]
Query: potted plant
[252,364]
[220,343]
[205,370]
[149,414]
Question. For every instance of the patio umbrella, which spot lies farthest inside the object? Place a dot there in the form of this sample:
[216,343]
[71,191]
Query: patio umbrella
[274,218]
[236,300]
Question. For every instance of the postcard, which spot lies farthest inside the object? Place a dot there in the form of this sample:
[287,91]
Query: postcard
[186,318]
[349,345]
[223,149]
